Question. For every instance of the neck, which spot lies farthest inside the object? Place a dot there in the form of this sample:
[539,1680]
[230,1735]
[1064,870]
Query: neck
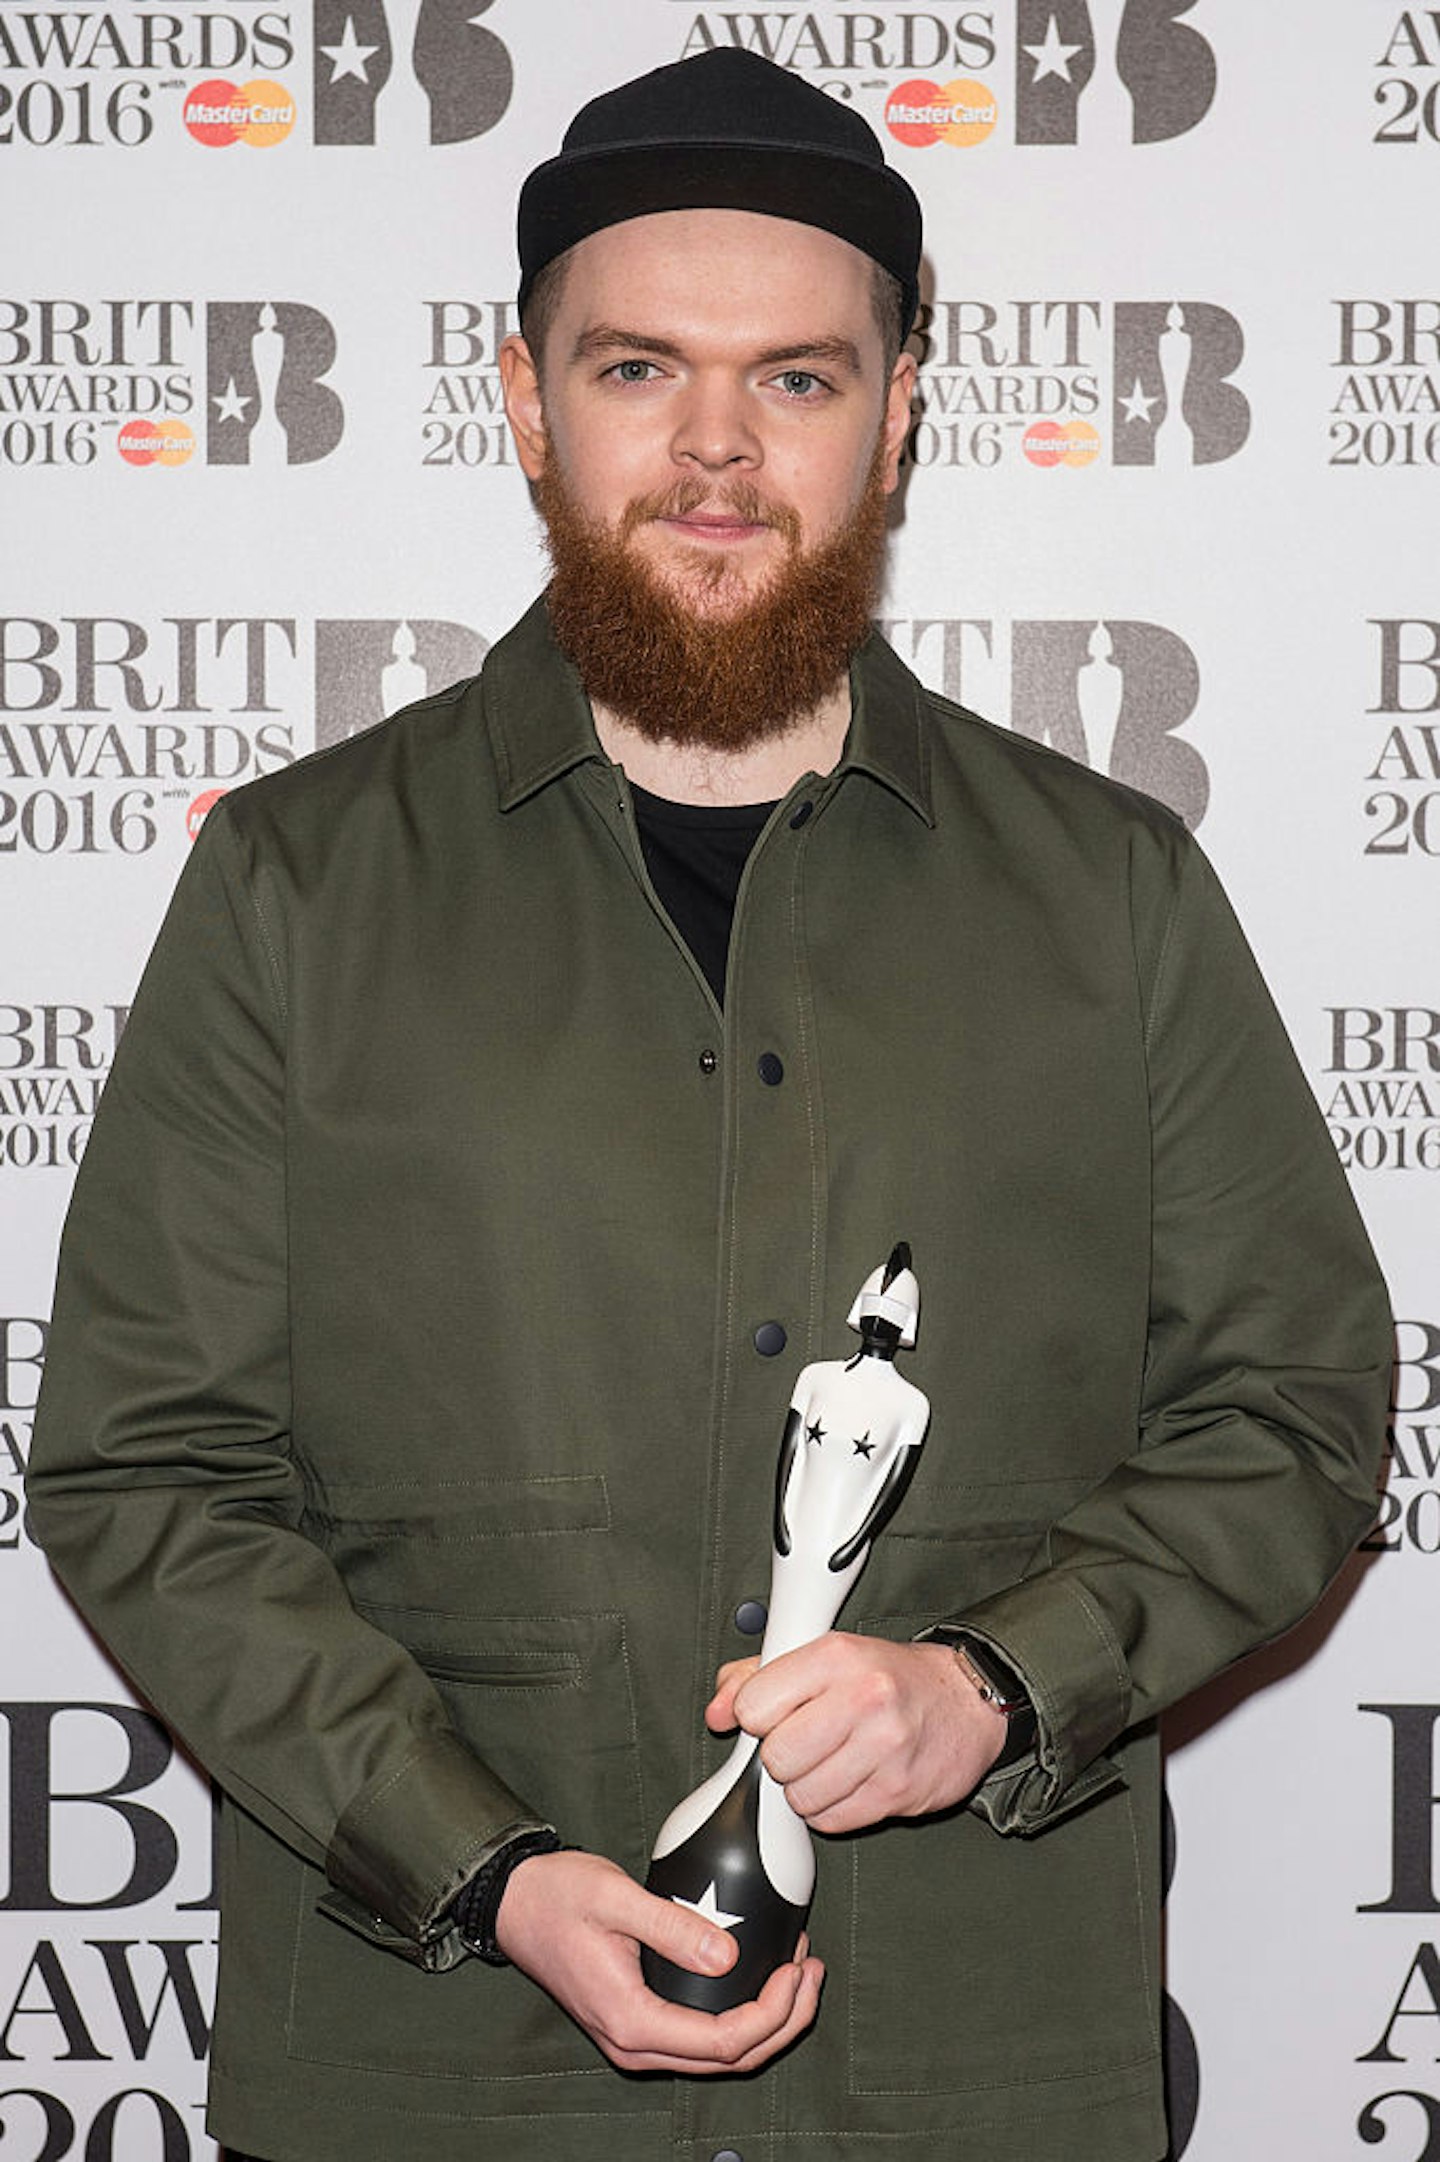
[761,773]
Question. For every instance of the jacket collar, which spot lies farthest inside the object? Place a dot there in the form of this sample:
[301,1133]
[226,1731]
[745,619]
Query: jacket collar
[541,725]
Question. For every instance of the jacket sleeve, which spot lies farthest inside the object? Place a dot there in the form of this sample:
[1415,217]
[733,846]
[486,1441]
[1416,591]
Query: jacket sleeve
[1263,1399]
[162,1479]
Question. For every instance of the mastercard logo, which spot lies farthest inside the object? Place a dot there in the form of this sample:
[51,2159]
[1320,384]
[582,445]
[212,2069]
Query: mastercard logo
[156,442]
[922,112]
[219,113]
[200,810]
[1053,442]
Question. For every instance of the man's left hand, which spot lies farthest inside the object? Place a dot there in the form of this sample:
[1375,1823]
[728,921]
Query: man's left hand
[856,1729]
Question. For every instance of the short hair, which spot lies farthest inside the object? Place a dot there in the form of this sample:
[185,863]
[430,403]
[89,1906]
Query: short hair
[887,301]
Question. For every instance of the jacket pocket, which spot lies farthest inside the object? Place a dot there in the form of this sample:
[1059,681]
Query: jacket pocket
[1034,1955]
[547,1702]
[952,1544]
[441,1544]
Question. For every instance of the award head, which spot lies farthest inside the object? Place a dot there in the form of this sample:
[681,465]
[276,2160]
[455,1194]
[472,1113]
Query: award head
[887,1310]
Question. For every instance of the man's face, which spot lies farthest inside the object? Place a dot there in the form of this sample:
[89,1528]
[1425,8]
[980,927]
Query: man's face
[714,395]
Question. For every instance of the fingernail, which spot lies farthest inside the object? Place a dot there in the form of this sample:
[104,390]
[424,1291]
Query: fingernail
[713,1950]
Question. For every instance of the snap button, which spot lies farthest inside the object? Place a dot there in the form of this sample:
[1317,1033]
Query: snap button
[769,1339]
[708,1061]
[727,2154]
[751,1617]
[771,1069]
[800,813]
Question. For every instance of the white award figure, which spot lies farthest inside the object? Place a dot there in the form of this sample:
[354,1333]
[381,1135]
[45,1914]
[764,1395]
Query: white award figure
[1100,694]
[734,1850]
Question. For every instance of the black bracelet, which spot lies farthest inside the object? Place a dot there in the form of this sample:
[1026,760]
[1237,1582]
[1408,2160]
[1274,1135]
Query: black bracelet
[476,1906]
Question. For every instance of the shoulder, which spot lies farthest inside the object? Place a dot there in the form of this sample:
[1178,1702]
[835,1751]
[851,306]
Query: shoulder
[970,752]
[417,748]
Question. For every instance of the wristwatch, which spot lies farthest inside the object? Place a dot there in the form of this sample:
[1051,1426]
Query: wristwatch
[997,1683]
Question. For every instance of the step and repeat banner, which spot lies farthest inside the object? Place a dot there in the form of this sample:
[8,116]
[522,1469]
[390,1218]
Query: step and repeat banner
[1171,507]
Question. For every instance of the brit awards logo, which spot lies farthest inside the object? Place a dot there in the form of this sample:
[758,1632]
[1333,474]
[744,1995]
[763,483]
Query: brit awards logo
[109,1843]
[267,401]
[1039,380]
[463,423]
[53,1064]
[1407,88]
[22,1361]
[1404,810]
[1173,401]
[1047,72]
[1409,1520]
[1381,1094]
[95,74]
[1112,694]
[366,670]
[364,70]
[1109,70]
[1402,1847]
[1386,407]
[77,375]
[116,730]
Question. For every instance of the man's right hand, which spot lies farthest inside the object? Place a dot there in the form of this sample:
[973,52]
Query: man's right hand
[575,1923]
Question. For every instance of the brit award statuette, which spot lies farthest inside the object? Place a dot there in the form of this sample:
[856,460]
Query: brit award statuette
[734,1850]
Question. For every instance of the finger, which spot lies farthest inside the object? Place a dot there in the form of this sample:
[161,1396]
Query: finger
[776,1691]
[848,1780]
[680,1935]
[702,2043]
[720,1711]
[802,2014]
[733,1672]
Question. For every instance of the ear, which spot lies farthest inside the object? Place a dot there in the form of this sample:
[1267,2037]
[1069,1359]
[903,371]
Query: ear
[524,406]
[899,400]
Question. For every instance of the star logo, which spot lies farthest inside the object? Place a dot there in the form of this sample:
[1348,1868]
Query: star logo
[707,1906]
[1051,57]
[1137,405]
[864,1446]
[349,56]
[815,1432]
[230,405]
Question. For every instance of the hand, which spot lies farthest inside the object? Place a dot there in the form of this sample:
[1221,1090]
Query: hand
[575,1924]
[856,1729]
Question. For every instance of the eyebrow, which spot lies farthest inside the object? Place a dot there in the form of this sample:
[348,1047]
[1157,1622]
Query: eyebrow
[612,338]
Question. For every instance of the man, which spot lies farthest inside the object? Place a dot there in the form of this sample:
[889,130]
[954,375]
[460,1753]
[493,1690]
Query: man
[515,1099]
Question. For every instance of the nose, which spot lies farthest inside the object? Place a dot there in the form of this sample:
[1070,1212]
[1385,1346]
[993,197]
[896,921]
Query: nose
[714,428]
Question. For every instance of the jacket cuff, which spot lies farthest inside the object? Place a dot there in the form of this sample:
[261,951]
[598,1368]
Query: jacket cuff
[409,1842]
[1077,1679]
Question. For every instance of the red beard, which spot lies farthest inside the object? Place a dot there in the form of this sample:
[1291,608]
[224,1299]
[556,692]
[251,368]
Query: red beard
[721,680]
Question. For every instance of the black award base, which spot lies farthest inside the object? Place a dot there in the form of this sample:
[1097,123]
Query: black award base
[717,1871]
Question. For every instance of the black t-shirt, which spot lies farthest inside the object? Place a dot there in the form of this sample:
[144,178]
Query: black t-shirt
[695,854]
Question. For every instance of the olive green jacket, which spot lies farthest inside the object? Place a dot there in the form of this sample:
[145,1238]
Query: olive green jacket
[406,1436]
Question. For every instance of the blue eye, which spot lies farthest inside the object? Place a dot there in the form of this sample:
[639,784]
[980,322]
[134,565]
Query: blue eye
[634,371]
[799,381]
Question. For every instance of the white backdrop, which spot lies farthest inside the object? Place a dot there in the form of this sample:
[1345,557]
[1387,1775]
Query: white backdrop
[1173,506]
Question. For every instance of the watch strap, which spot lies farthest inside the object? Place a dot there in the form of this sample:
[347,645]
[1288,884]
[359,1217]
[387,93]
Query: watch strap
[996,1681]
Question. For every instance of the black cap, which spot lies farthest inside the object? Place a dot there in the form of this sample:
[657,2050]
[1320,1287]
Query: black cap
[724,130]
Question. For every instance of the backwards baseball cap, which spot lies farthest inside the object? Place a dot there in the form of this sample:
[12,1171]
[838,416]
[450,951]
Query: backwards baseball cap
[724,130]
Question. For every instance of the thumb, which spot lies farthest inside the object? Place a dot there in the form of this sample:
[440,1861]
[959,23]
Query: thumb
[685,1938]
[720,1711]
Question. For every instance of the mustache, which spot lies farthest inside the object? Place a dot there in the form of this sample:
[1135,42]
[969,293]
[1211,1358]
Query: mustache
[740,498]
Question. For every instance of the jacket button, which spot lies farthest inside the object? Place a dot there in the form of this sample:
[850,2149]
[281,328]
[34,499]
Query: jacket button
[708,1061]
[727,2154]
[770,1069]
[751,1617]
[769,1339]
[801,813]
